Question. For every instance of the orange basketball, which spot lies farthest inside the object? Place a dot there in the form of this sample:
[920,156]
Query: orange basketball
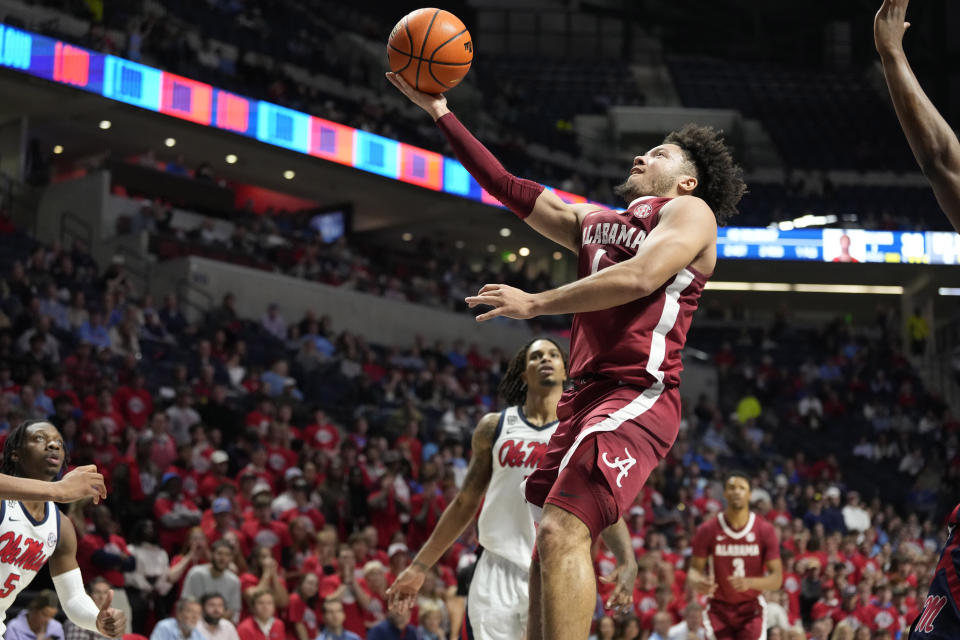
[431,49]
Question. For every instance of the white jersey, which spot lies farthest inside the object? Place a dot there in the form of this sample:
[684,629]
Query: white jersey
[25,546]
[505,525]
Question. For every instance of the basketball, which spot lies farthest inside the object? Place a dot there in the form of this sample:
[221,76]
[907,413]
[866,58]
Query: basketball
[431,49]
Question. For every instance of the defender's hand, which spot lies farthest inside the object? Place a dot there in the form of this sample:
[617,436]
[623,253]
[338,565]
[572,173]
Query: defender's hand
[890,25]
[506,301]
[83,482]
[624,577]
[402,594]
[433,103]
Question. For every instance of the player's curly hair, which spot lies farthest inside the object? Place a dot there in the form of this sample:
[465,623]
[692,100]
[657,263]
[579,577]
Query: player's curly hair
[719,177]
[512,387]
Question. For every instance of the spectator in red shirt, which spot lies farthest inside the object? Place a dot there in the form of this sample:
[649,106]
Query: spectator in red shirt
[299,491]
[104,553]
[263,624]
[426,507]
[304,616]
[175,513]
[322,434]
[411,438]
[263,530]
[163,449]
[134,402]
[217,476]
[385,508]
[223,522]
[343,586]
[105,412]
[265,573]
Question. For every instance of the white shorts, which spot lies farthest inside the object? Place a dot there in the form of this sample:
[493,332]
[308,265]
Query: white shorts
[498,598]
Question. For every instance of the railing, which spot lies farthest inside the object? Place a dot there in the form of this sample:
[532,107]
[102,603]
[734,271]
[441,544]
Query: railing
[187,292]
[73,227]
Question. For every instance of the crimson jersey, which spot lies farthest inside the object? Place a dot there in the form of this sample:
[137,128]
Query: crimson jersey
[740,553]
[638,342]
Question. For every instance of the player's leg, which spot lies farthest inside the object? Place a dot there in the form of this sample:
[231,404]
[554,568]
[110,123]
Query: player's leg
[715,624]
[497,606]
[534,609]
[568,583]
[751,620]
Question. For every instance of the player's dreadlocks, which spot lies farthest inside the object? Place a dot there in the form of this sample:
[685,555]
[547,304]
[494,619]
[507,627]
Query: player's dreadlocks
[512,388]
[13,443]
[719,178]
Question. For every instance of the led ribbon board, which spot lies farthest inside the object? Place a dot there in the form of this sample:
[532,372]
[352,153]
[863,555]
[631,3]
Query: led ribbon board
[156,90]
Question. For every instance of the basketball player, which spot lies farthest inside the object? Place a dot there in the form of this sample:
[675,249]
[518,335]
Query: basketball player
[937,149]
[33,532]
[641,273]
[746,562]
[506,447]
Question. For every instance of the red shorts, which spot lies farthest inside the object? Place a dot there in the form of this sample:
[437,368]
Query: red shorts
[735,621]
[610,437]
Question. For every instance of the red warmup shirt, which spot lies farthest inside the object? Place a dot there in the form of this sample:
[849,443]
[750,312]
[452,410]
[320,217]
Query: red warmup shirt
[136,405]
[280,458]
[740,553]
[250,630]
[300,611]
[93,542]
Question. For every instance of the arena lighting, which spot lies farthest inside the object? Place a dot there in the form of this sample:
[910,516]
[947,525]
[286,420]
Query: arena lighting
[511,257]
[524,252]
[105,124]
[289,175]
[459,244]
[407,237]
[163,92]
[505,232]
[948,291]
[231,158]
[808,220]
[557,255]
[720,285]
[170,142]
[57,149]
[492,248]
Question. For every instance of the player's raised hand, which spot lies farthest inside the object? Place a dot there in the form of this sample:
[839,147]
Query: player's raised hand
[623,577]
[83,482]
[506,301]
[890,25]
[402,594]
[111,622]
[433,103]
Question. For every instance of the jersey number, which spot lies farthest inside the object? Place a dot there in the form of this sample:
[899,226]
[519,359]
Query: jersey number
[739,569]
[931,609]
[9,585]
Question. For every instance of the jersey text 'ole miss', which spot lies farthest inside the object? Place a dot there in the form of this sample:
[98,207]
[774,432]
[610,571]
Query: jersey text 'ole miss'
[25,546]
[736,553]
[940,616]
[620,342]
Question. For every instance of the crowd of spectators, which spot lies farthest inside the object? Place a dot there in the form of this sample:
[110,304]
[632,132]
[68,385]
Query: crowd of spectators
[294,471]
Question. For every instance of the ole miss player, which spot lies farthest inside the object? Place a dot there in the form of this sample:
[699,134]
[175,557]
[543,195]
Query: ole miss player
[937,149]
[641,271]
[507,446]
[746,562]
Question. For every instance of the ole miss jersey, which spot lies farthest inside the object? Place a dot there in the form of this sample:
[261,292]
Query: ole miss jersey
[736,553]
[940,616]
[638,342]
[25,546]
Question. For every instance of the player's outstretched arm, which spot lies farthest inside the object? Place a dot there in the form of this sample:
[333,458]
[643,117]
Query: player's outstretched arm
[932,140]
[686,229]
[80,607]
[402,594]
[697,577]
[82,482]
[617,539]
[538,207]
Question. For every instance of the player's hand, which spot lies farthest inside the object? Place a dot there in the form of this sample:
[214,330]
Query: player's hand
[111,622]
[740,583]
[82,482]
[402,594]
[623,576]
[506,301]
[433,103]
[890,25]
[704,587]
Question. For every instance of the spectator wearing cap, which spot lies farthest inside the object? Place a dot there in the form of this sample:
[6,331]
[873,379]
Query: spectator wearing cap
[399,555]
[374,582]
[182,416]
[285,501]
[216,577]
[832,514]
[223,522]
[37,621]
[302,507]
[263,530]
[216,477]
[174,512]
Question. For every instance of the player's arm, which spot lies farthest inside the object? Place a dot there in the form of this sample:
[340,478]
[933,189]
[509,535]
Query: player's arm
[458,514]
[933,142]
[82,482]
[617,539]
[79,607]
[531,202]
[772,581]
[698,578]
[686,229]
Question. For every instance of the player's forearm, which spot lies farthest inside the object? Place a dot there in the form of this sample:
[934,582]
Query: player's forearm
[932,140]
[12,488]
[617,539]
[611,287]
[453,521]
[769,582]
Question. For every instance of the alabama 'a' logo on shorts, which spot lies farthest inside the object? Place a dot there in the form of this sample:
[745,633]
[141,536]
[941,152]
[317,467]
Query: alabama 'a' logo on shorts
[623,464]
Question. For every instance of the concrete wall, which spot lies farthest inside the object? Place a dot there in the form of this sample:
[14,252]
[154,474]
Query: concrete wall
[86,198]
[378,319]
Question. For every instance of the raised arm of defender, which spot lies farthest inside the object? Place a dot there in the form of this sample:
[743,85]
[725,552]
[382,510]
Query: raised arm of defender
[932,140]
[538,207]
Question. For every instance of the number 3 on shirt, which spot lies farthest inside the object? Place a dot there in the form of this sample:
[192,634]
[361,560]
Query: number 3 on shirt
[595,263]
[739,570]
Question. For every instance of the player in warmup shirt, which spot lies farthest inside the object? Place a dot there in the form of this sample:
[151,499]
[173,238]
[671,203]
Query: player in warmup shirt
[937,150]
[746,562]
[33,533]
[507,446]
[641,271]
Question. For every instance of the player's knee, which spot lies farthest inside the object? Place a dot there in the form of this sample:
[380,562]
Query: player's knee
[560,533]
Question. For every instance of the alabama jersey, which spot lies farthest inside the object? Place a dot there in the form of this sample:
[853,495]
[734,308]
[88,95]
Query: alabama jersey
[505,526]
[25,546]
[736,553]
[639,342]
[940,616]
